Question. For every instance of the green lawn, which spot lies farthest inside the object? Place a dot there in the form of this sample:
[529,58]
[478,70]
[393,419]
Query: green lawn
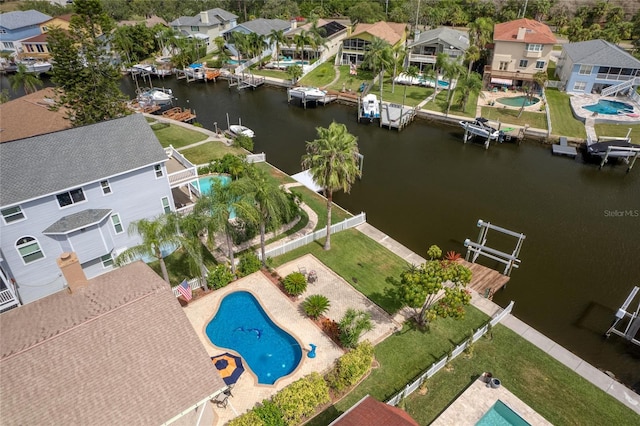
[354,255]
[178,266]
[510,116]
[562,121]
[176,135]
[414,94]
[277,174]
[282,75]
[321,76]
[619,130]
[351,82]
[319,205]
[440,104]
[203,154]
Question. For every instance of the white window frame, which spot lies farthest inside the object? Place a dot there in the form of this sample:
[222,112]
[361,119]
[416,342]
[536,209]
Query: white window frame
[577,83]
[73,202]
[525,61]
[166,205]
[542,66]
[158,171]
[8,44]
[18,212]
[117,222]
[534,47]
[585,67]
[31,241]
[106,187]
[107,261]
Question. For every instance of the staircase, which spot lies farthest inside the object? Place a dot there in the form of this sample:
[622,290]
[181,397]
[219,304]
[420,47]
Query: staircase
[612,90]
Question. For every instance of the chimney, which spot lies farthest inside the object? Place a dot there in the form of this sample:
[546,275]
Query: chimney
[72,271]
[521,32]
[293,24]
[204,17]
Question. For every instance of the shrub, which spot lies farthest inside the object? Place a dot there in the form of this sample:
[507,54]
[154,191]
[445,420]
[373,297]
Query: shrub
[295,283]
[250,418]
[249,263]
[352,325]
[219,277]
[434,252]
[270,413]
[315,305]
[351,367]
[244,142]
[196,124]
[300,398]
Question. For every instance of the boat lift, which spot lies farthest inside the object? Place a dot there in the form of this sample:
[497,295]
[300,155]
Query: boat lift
[633,326]
[476,249]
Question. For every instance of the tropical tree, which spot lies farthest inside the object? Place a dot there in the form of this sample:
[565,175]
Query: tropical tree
[352,325]
[471,55]
[376,54]
[295,72]
[156,234]
[189,231]
[25,79]
[452,70]
[256,43]
[333,163]
[241,43]
[397,55]
[468,84]
[277,37]
[540,79]
[412,73]
[301,40]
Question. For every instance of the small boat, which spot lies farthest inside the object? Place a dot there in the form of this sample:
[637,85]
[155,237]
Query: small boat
[195,71]
[370,106]
[600,148]
[479,127]
[307,93]
[35,66]
[156,96]
[239,129]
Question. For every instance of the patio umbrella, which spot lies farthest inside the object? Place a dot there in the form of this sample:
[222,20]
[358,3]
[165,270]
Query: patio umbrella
[229,366]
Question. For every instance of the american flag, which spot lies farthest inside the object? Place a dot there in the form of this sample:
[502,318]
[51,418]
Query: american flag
[185,290]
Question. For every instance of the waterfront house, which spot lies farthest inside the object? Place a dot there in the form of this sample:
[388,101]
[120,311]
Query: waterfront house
[113,350]
[205,26]
[331,32]
[596,65]
[37,46]
[355,45]
[18,25]
[424,50]
[261,27]
[521,49]
[78,190]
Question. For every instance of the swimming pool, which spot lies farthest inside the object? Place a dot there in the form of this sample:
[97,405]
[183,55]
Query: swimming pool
[609,107]
[243,326]
[517,101]
[501,415]
[206,182]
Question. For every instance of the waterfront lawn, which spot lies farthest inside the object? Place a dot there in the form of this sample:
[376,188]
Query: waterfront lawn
[320,77]
[354,255]
[178,265]
[619,130]
[553,390]
[273,73]
[319,205]
[440,104]
[562,121]
[207,152]
[351,82]
[176,135]
[277,174]
[414,94]
[510,116]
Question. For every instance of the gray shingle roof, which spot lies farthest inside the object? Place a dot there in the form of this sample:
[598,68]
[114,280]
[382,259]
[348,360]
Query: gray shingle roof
[78,220]
[599,52]
[20,19]
[449,36]
[265,26]
[216,17]
[46,164]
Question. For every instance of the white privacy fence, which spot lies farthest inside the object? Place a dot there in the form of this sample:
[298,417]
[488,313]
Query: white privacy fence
[435,367]
[257,158]
[194,283]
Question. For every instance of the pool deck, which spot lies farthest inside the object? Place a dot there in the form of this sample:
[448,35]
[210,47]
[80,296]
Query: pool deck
[578,101]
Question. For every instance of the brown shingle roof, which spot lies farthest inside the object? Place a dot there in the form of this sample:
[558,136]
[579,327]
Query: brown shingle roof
[389,31]
[537,32]
[119,351]
[41,119]
[371,412]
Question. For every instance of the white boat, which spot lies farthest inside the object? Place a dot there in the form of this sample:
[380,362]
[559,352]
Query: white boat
[195,71]
[148,69]
[307,93]
[370,106]
[479,127]
[239,129]
[156,96]
[35,66]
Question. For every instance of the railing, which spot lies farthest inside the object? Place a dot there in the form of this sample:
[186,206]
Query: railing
[257,158]
[243,66]
[179,157]
[618,87]
[531,54]
[435,367]
[183,175]
[306,69]
[417,57]
[8,300]
[617,77]
[193,283]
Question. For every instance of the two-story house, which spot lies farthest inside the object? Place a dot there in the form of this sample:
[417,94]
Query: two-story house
[18,25]
[38,46]
[330,32]
[205,26]
[78,190]
[262,27]
[521,49]
[424,50]
[355,45]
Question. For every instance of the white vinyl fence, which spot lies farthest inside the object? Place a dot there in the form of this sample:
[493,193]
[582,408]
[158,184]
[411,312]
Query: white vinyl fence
[194,283]
[435,367]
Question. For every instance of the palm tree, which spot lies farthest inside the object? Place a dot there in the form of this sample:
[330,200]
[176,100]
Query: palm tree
[156,234]
[277,37]
[397,56]
[241,43]
[256,43]
[333,163]
[376,54]
[471,55]
[469,84]
[301,40]
[452,71]
[189,231]
[540,78]
[23,78]
[295,72]
[411,73]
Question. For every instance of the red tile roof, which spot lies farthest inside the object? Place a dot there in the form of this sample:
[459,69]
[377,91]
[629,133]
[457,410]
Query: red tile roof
[371,412]
[537,32]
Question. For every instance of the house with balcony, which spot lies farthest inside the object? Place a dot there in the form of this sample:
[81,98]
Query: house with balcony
[205,26]
[424,50]
[261,27]
[38,46]
[330,34]
[597,66]
[78,190]
[521,49]
[355,45]
[18,25]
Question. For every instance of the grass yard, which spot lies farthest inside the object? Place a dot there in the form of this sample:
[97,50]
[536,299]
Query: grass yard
[176,135]
[203,154]
[619,130]
[319,205]
[354,255]
[351,82]
[510,116]
[277,174]
[321,76]
[440,104]
[273,73]
[562,121]
[414,94]
[178,266]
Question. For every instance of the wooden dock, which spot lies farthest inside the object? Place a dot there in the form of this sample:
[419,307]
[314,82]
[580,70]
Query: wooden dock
[179,114]
[485,281]
[245,81]
[396,116]
[563,148]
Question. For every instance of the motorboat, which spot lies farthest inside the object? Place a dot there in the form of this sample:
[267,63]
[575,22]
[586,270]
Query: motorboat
[148,69]
[479,127]
[618,148]
[370,106]
[195,71]
[239,129]
[35,66]
[156,96]
[307,93]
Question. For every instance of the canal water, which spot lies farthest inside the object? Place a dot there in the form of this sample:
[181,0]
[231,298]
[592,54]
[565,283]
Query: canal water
[423,186]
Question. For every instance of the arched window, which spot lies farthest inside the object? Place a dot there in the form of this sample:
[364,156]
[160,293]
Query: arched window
[29,249]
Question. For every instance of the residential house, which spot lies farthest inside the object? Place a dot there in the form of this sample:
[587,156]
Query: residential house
[37,46]
[113,350]
[206,26]
[355,45]
[597,66]
[261,27]
[424,50]
[331,31]
[371,412]
[521,49]
[18,25]
[79,190]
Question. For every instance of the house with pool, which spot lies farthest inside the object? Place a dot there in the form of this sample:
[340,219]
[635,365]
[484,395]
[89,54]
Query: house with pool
[330,32]
[205,26]
[424,50]
[355,45]
[77,190]
[261,27]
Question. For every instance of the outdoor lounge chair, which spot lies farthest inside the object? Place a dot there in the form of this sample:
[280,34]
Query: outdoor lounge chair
[302,270]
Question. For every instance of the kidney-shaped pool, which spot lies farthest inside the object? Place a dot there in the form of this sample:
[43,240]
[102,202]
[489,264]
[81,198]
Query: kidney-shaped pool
[243,326]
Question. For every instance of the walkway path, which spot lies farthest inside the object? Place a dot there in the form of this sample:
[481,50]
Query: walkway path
[581,367]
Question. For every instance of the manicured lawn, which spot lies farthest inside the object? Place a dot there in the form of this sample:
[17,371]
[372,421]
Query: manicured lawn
[203,154]
[321,76]
[551,71]
[354,255]
[440,104]
[619,130]
[278,175]
[178,266]
[176,135]
[351,82]
[271,73]
[562,121]
[319,205]
[414,94]
[510,116]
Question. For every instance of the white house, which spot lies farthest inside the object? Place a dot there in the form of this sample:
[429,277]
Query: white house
[205,26]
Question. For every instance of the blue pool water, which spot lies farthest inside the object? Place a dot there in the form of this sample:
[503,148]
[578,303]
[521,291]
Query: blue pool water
[517,101]
[205,182]
[243,326]
[609,107]
[501,415]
